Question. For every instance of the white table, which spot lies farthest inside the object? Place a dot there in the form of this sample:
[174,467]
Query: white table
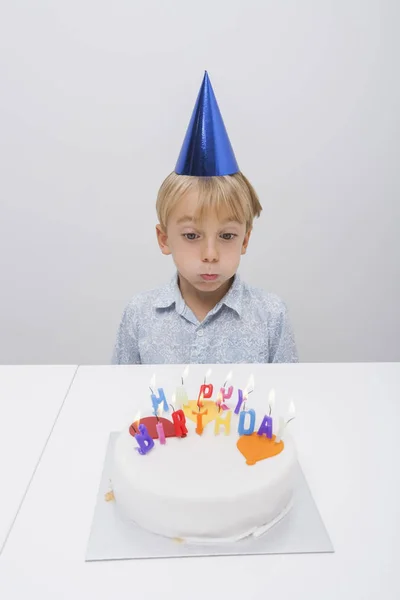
[346,431]
[30,399]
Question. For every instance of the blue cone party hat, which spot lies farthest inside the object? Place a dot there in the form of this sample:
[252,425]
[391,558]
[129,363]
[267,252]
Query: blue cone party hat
[206,149]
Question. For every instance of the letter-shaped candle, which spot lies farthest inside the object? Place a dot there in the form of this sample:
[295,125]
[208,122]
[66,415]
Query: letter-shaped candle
[179,420]
[242,429]
[239,403]
[206,391]
[144,440]
[199,417]
[266,427]
[225,422]
[160,432]
[157,400]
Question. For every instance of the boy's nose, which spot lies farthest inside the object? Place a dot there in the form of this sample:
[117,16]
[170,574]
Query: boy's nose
[209,253]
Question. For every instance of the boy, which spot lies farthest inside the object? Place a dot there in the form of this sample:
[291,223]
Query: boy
[206,314]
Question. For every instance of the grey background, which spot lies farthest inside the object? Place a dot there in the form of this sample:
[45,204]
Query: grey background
[95,100]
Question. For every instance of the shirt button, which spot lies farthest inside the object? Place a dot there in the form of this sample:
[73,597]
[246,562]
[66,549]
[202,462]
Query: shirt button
[200,332]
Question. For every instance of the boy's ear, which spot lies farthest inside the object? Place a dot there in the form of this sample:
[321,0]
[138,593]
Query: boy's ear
[246,241]
[162,239]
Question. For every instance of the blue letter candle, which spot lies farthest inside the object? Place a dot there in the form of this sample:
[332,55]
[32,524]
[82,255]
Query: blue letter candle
[156,401]
[242,430]
[266,427]
[144,440]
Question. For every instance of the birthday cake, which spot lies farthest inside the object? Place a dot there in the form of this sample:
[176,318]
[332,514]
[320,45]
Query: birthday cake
[211,470]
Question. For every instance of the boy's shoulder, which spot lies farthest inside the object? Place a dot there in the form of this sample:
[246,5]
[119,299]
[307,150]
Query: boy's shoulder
[162,295]
[265,301]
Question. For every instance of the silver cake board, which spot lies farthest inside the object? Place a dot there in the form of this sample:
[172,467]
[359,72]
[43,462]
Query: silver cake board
[113,538]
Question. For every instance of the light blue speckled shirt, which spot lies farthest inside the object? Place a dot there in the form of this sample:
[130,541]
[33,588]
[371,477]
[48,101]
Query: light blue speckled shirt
[248,325]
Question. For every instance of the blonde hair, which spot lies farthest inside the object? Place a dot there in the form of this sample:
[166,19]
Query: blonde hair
[233,193]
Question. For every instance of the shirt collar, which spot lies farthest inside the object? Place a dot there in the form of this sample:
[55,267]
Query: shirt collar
[233,299]
[170,294]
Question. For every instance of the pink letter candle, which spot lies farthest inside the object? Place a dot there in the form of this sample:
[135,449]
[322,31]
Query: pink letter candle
[160,432]
[226,393]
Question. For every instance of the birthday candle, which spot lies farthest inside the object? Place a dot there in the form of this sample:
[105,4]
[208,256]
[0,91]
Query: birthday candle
[144,440]
[179,420]
[242,430]
[226,393]
[157,400]
[181,397]
[281,429]
[206,390]
[239,403]
[266,427]
[199,418]
[283,424]
[159,427]
[242,396]
[224,421]
[160,432]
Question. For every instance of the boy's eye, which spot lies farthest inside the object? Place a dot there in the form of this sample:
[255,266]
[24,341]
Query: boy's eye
[190,236]
[228,236]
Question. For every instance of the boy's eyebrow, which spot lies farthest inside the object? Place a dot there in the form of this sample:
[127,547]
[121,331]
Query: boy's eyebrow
[184,219]
[188,218]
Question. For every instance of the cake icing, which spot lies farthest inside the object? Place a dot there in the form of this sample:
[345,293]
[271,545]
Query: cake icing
[201,488]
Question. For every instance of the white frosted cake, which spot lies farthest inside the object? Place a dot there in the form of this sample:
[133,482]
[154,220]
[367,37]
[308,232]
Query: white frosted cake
[208,487]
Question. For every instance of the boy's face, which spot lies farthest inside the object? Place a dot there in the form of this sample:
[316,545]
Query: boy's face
[207,253]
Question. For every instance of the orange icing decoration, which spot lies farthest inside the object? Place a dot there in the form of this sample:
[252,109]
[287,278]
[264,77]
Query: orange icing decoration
[256,447]
[191,409]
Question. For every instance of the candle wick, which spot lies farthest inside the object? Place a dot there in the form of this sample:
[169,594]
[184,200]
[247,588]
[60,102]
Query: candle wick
[270,409]
[287,422]
[182,380]
[172,407]
[151,390]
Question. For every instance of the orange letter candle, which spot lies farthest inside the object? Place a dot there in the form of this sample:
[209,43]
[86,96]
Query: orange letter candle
[199,418]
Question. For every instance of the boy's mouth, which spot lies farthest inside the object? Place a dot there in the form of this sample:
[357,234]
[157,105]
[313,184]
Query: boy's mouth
[209,277]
